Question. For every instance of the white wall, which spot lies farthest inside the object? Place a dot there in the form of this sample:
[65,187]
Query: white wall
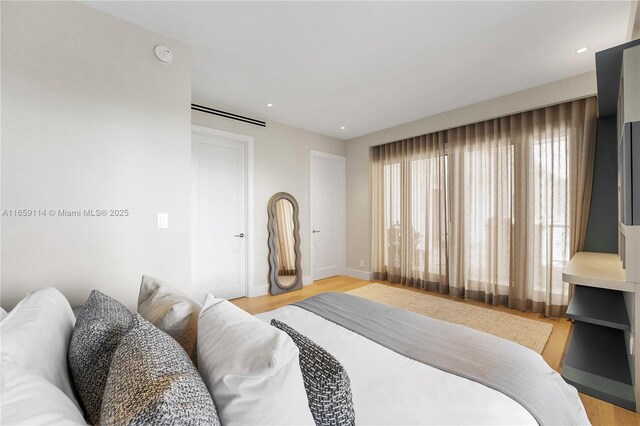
[358,186]
[633,28]
[281,163]
[90,120]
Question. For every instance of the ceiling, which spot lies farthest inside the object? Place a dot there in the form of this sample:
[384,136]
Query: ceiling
[372,65]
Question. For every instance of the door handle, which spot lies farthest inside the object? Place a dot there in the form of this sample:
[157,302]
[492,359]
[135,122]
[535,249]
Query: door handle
[239,235]
[315,232]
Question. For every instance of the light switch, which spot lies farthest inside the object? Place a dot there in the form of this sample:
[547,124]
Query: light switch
[163,220]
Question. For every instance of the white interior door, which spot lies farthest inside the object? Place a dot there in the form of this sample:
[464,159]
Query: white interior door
[328,215]
[219,216]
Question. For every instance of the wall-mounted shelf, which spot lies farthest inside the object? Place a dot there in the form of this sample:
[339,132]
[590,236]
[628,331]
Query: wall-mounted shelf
[599,306]
[602,270]
[596,364]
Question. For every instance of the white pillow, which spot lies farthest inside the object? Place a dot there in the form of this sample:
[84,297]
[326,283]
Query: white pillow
[35,335]
[171,311]
[251,368]
[28,399]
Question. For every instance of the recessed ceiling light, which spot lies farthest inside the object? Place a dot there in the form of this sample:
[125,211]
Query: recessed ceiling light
[581,50]
[342,127]
[269,105]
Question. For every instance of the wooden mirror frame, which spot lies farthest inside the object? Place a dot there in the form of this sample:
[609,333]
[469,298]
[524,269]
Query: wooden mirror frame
[276,287]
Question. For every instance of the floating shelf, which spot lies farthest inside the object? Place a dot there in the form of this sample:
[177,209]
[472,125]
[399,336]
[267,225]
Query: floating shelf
[603,270]
[597,364]
[599,306]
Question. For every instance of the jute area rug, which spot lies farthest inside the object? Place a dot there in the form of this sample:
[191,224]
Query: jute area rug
[527,332]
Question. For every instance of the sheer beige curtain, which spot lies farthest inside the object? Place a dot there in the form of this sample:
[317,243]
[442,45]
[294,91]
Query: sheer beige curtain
[286,242]
[409,217]
[519,191]
[481,161]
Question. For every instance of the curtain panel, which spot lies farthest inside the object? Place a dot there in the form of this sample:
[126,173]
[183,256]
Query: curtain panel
[409,180]
[491,211]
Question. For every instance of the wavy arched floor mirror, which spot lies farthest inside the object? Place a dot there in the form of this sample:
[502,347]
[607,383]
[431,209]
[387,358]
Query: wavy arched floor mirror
[285,273]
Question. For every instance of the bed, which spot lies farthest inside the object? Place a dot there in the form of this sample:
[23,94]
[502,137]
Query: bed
[400,367]
[389,387]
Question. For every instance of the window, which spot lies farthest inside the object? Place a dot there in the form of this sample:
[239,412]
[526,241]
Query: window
[488,210]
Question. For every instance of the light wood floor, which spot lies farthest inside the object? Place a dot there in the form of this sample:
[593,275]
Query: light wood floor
[599,412]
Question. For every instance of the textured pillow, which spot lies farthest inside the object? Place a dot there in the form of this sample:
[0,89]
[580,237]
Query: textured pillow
[325,380]
[29,399]
[250,368]
[171,311]
[101,325]
[153,382]
[35,335]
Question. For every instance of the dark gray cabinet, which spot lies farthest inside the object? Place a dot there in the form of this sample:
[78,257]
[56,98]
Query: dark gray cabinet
[603,356]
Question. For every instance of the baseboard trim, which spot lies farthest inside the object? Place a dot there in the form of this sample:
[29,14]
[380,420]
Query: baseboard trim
[358,273]
[306,280]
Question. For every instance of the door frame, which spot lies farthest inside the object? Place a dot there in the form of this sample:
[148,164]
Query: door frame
[342,228]
[247,141]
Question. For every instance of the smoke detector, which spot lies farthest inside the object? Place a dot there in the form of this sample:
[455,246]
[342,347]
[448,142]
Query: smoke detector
[163,54]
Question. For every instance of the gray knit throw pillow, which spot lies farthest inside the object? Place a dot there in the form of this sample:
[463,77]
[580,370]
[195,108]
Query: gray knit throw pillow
[325,380]
[101,324]
[152,381]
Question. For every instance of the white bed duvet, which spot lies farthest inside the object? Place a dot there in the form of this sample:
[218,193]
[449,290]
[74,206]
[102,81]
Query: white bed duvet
[391,389]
